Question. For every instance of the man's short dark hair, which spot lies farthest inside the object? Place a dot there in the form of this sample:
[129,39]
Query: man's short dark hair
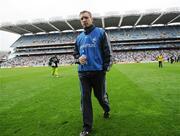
[85,11]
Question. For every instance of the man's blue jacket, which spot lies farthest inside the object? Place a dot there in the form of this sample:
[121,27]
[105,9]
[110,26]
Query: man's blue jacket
[95,45]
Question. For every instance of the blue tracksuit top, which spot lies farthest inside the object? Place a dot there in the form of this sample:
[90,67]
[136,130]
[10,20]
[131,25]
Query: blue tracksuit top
[89,45]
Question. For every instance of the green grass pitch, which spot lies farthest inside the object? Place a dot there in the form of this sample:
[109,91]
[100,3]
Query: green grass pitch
[144,100]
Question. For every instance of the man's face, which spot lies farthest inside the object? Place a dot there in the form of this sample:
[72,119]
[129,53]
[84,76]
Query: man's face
[86,20]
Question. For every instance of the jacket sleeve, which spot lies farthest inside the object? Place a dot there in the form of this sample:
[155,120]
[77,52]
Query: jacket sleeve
[106,52]
[76,54]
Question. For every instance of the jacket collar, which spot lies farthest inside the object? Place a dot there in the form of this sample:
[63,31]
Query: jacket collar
[89,29]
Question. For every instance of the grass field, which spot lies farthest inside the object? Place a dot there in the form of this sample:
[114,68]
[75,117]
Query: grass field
[144,100]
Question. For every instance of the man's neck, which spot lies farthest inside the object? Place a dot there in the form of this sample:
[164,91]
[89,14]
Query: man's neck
[87,30]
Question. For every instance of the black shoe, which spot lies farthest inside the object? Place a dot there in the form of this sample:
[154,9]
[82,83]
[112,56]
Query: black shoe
[84,133]
[106,115]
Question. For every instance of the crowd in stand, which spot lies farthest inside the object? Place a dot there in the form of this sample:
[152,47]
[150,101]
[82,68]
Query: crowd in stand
[144,56]
[45,39]
[122,52]
[144,33]
[116,34]
[118,57]
[36,61]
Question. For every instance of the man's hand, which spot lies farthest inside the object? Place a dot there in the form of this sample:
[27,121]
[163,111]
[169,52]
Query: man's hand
[83,60]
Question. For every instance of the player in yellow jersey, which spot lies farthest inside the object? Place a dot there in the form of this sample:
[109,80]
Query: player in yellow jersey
[160,59]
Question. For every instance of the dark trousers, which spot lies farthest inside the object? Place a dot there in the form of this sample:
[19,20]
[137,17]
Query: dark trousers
[160,64]
[96,81]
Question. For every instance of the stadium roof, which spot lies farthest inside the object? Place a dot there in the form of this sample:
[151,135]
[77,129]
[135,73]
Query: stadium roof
[111,20]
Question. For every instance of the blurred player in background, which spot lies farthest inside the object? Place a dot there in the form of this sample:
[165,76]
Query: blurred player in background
[160,59]
[53,62]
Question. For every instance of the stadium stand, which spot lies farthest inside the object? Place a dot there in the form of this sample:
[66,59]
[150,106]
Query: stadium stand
[136,43]
[3,56]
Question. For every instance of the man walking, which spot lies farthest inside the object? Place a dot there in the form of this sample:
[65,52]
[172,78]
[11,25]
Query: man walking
[93,54]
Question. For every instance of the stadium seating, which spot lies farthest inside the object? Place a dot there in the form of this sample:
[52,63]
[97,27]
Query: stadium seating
[141,44]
